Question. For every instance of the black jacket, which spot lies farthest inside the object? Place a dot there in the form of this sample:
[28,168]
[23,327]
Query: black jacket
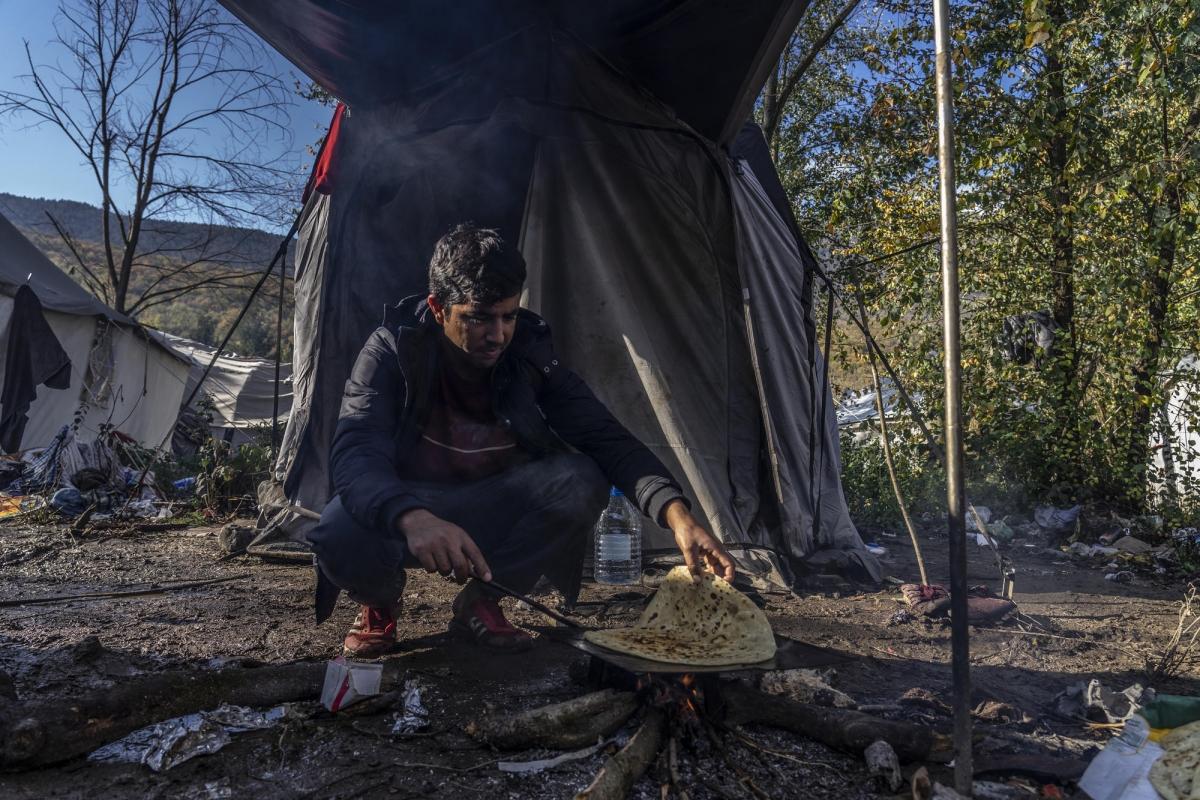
[388,397]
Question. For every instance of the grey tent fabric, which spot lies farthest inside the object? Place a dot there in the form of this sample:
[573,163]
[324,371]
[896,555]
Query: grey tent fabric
[241,389]
[641,237]
[806,468]
[705,60]
[24,264]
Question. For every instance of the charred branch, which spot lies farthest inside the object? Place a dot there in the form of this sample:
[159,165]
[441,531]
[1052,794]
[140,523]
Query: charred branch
[562,726]
[626,767]
[851,731]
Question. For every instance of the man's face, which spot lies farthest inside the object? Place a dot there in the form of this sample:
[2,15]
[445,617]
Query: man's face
[478,333]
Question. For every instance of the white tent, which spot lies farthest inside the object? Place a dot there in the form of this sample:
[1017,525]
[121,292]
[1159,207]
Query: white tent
[119,376]
[242,390]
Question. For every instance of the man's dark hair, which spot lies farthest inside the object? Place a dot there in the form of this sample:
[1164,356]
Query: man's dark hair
[473,264]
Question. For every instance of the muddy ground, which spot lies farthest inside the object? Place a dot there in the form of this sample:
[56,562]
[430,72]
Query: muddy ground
[1076,626]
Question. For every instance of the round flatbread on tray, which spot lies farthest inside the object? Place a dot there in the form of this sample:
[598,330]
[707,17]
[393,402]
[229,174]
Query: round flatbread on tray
[703,623]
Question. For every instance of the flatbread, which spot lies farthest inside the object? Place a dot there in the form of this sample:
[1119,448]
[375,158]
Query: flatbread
[702,623]
[1176,774]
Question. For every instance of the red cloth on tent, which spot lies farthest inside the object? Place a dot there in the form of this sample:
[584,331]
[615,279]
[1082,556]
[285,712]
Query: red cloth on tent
[322,176]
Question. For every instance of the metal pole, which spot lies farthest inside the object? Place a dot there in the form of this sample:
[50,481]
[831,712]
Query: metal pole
[955,499]
[278,358]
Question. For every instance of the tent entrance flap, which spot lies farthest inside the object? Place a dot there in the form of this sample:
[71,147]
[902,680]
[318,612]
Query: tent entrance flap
[639,242]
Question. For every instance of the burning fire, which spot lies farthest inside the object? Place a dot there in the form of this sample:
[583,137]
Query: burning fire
[681,697]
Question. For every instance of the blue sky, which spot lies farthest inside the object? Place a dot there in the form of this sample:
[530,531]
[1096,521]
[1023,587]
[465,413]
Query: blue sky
[38,162]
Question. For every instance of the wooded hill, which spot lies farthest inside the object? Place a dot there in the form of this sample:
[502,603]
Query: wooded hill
[204,314]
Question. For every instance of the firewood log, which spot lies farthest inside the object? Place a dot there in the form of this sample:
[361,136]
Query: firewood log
[618,775]
[47,731]
[843,729]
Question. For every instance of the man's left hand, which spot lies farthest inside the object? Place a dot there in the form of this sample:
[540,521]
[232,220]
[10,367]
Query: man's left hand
[699,547]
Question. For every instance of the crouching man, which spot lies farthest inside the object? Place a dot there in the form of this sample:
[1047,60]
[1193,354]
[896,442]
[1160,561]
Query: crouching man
[466,448]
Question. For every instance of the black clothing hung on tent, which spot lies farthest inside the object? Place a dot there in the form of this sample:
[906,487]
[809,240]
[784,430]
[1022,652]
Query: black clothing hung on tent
[660,246]
[33,357]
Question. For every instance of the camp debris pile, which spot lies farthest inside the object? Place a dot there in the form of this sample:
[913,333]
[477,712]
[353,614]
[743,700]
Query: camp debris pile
[101,479]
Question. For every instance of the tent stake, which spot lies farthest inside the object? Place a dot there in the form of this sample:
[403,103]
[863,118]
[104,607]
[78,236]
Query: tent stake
[887,447]
[955,496]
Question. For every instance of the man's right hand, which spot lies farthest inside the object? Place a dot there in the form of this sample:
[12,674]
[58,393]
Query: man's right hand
[442,546]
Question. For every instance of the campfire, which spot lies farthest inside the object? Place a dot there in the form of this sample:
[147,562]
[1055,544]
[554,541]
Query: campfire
[681,716]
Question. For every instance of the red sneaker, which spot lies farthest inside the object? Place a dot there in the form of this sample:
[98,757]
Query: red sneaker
[481,620]
[373,634]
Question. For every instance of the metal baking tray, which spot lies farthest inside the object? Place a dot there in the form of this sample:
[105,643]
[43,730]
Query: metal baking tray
[789,654]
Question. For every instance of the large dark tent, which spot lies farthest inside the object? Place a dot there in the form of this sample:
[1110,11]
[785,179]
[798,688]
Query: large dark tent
[609,138]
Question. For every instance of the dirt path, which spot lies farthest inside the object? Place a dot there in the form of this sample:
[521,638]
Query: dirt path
[1105,628]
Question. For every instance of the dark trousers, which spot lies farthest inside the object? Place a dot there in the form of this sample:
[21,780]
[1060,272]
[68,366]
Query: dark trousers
[529,521]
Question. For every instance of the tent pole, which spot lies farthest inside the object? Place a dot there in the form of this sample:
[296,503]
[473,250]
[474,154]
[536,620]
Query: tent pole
[278,358]
[955,496]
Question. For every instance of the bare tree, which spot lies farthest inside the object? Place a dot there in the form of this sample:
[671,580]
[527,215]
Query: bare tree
[168,105]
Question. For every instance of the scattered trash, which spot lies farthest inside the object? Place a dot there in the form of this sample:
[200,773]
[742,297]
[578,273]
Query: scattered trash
[1132,544]
[1094,701]
[884,764]
[1171,710]
[543,764]
[1056,520]
[981,539]
[876,549]
[1085,550]
[984,513]
[166,744]
[414,717]
[1124,576]
[929,601]
[994,790]
[806,686]
[347,682]
[1121,770]
[901,617]
[185,485]
[1001,531]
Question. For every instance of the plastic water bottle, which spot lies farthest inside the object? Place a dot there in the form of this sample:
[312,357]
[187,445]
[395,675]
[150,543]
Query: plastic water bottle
[619,542]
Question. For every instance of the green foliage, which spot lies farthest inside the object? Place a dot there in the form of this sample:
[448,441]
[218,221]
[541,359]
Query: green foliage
[227,478]
[1078,137]
[868,488]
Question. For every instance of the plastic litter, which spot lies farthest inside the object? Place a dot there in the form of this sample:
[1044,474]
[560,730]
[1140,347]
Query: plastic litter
[1057,520]
[1132,544]
[876,549]
[166,744]
[414,717]
[1085,550]
[1094,701]
[347,682]
[984,513]
[1124,576]
[1121,770]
